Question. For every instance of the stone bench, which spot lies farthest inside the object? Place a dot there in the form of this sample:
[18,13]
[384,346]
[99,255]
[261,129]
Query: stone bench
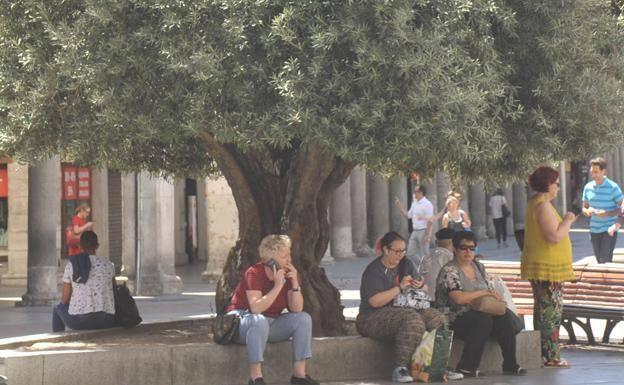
[335,358]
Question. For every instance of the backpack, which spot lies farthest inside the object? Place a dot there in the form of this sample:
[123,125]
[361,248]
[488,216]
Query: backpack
[126,311]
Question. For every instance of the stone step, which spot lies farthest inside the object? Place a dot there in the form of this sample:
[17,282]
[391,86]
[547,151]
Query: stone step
[346,358]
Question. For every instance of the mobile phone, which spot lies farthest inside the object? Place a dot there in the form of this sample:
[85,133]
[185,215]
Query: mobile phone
[272,263]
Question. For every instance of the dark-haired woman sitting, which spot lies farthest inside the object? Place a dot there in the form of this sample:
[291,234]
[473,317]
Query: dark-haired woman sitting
[383,280]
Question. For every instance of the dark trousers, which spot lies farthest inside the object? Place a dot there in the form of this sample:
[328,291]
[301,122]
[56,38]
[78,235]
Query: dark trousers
[500,227]
[97,320]
[603,245]
[475,327]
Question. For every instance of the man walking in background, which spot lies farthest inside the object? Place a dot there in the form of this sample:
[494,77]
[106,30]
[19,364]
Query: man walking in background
[420,212]
[602,199]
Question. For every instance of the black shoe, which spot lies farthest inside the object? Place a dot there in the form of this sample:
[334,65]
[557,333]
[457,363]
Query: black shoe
[257,381]
[519,371]
[470,373]
[307,380]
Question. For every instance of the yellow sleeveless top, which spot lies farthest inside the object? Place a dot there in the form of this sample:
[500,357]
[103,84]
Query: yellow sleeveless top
[542,260]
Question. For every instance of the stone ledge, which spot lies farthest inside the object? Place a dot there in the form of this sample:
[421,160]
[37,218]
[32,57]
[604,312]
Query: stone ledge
[335,358]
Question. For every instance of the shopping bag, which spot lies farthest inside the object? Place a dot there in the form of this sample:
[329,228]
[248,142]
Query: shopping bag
[430,360]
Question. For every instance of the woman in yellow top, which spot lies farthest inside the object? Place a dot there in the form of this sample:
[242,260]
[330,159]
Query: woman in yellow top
[547,260]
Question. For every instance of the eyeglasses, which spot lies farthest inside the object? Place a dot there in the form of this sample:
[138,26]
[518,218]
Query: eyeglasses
[399,252]
[466,248]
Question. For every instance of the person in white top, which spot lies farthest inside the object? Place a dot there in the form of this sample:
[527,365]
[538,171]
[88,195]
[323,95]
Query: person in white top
[420,212]
[87,301]
[496,208]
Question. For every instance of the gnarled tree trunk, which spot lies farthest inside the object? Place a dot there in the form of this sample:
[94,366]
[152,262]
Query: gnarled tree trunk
[285,192]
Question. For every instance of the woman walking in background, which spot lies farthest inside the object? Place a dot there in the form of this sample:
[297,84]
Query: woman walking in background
[497,201]
[547,260]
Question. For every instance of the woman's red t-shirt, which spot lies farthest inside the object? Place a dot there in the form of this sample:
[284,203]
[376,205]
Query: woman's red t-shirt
[256,279]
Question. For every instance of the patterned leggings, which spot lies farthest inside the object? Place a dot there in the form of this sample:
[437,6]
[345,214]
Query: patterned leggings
[547,309]
[403,327]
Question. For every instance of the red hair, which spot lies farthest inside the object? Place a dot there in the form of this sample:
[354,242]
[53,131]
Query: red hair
[542,178]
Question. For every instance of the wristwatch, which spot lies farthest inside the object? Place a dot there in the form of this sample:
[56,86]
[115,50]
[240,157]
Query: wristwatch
[296,289]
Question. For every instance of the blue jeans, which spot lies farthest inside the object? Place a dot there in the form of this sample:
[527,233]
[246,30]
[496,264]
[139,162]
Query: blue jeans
[96,320]
[256,330]
[603,245]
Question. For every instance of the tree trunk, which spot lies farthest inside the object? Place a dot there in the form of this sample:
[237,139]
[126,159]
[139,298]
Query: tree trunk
[286,193]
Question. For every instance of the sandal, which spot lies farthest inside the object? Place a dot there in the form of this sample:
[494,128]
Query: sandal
[557,364]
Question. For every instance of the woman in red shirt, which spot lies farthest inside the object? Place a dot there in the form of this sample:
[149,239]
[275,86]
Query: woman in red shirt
[260,298]
[79,225]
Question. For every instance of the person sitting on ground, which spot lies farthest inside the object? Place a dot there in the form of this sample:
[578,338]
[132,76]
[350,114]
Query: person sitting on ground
[87,300]
[461,281]
[267,288]
[440,256]
[382,282]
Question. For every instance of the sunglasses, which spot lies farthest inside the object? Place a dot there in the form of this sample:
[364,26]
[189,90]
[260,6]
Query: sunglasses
[466,248]
[400,252]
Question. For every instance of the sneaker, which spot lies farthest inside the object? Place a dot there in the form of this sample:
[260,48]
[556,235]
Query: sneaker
[519,371]
[307,380]
[452,375]
[401,374]
[468,373]
[257,381]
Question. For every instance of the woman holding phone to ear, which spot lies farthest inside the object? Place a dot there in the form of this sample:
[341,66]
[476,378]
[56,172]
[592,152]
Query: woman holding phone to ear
[267,288]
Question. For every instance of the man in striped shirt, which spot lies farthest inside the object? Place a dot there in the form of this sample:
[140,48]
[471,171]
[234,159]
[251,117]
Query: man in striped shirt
[602,199]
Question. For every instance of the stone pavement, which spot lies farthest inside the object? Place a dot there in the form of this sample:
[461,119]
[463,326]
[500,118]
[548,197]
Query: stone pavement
[590,365]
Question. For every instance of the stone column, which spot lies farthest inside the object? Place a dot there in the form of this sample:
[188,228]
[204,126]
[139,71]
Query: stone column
[44,224]
[442,186]
[156,237]
[128,221]
[180,222]
[99,208]
[476,197]
[617,169]
[432,195]
[202,221]
[222,225]
[519,193]
[18,226]
[378,204]
[398,189]
[359,225]
[340,222]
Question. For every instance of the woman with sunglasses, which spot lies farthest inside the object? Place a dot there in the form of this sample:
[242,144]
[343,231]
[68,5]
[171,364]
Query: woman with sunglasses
[460,282]
[383,280]
[547,260]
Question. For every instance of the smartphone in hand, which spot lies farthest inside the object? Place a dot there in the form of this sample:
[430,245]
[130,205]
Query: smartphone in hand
[272,264]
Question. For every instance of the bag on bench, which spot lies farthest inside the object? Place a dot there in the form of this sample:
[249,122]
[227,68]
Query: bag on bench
[225,328]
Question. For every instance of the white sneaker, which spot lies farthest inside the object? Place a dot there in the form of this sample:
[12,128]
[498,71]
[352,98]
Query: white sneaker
[452,375]
[401,374]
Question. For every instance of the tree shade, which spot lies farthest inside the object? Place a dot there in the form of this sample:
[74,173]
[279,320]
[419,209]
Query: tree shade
[284,98]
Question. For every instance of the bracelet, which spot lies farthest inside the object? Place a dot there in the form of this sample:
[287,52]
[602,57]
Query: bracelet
[296,289]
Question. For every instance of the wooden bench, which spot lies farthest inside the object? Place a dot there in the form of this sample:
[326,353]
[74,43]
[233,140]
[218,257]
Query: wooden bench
[597,293]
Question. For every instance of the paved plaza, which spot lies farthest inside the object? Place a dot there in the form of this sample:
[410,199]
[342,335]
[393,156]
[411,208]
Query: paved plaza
[590,364]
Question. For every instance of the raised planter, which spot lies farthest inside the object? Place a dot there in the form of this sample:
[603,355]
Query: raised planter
[121,360]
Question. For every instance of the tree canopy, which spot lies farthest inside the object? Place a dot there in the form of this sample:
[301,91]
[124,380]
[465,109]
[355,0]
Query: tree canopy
[285,97]
[474,87]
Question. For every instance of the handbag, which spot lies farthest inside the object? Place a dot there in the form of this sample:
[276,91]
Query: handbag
[126,311]
[488,304]
[505,211]
[225,328]
[413,298]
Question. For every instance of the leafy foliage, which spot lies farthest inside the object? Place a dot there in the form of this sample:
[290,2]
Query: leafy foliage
[480,89]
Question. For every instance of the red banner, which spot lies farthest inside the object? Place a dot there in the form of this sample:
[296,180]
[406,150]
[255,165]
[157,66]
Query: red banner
[4,183]
[70,183]
[84,183]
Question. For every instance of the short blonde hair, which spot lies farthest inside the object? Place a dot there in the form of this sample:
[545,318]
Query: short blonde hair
[273,244]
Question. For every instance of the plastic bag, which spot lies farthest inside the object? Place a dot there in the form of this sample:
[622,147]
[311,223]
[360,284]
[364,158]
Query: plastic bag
[430,359]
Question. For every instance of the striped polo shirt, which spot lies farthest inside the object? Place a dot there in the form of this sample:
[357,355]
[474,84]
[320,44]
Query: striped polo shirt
[604,196]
